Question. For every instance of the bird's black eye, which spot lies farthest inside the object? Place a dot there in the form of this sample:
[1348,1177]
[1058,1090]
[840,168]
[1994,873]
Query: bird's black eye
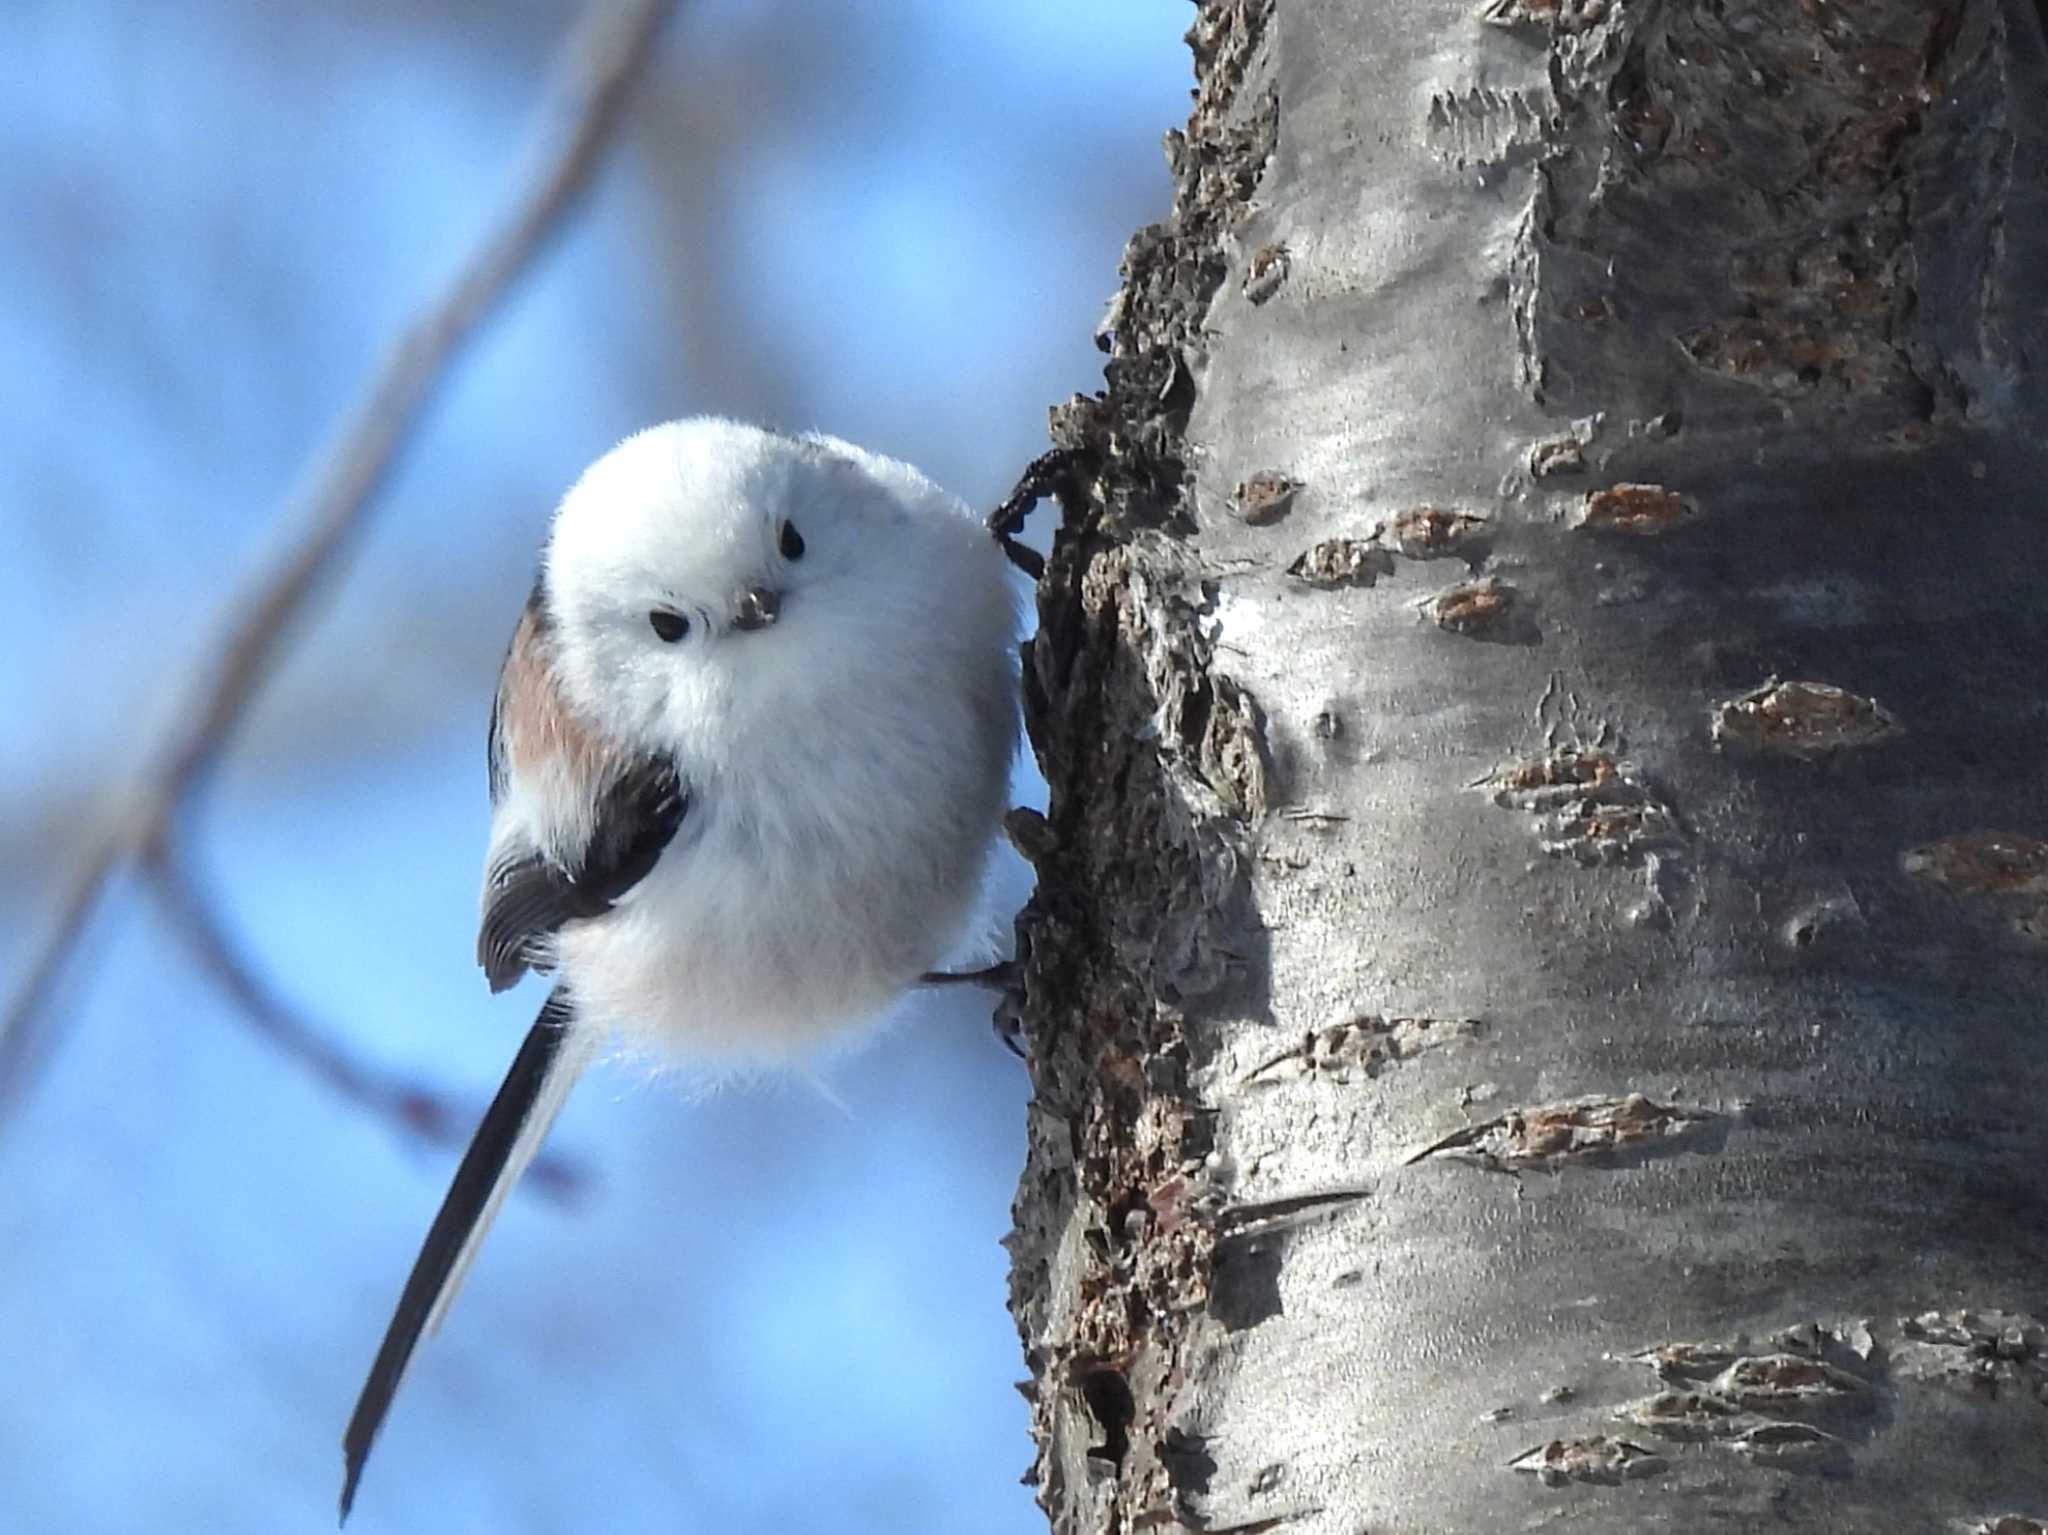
[791,542]
[668,627]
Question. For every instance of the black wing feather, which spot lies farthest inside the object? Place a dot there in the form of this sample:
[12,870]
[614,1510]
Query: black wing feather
[637,817]
[529,898]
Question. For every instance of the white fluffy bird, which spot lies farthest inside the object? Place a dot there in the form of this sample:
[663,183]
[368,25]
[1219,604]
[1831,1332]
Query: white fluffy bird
[751,745]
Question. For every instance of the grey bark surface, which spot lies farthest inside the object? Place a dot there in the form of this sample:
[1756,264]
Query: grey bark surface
[1538,987]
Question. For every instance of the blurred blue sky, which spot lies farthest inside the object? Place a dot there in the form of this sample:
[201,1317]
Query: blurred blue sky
[763,1312]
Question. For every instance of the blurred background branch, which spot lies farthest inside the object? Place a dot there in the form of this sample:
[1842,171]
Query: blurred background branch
[895,223]
[418,1109]
[601,59]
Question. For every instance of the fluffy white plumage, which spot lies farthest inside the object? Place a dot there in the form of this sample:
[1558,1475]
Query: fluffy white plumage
[752,743]
[847,764]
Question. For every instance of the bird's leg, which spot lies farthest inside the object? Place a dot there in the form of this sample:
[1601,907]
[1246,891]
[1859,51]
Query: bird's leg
[1003,977]
[1022,555]
[996,977]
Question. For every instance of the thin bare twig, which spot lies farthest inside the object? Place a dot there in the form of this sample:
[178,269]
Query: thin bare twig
[598,65]
[416,1109]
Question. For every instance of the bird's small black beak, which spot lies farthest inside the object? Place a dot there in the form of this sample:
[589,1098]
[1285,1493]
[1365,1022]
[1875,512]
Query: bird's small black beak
[757,608]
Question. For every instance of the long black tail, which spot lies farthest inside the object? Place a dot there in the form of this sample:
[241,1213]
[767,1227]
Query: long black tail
[512,1130]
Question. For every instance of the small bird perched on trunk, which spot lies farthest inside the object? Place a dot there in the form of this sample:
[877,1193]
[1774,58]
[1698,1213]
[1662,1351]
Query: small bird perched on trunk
[750,749]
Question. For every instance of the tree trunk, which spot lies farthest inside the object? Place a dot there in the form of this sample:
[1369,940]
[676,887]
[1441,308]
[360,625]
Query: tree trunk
[1536,988]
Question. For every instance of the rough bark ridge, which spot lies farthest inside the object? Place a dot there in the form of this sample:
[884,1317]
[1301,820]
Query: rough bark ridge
[1535,988]
[1154,768]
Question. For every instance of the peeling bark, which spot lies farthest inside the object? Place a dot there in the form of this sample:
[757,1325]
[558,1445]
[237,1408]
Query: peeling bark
[1537,986]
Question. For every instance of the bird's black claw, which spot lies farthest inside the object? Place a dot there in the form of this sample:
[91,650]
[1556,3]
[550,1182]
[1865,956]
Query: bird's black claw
[1049,474]
[1008,1024]
[1023,556]
[1006,977]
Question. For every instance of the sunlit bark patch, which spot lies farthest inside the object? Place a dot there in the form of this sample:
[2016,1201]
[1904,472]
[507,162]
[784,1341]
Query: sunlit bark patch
[1572,770]
[2006,872]
[1557,455]
[1434,532]
[1695,1417]
[1984,863]
[1591,807]
[1417,533]
[1480,126]
[1365,1046]
[1639,511]
[1597,832]
[1339,562]
[1583,1129]
[2002,1355]
[1266,271]
[1566,16]
[1802,719]
[1688,1417]
[1688,1360]
[1599,1458]
[1265,497]
[1789,1445]
[1486,609]
[1754,1404]
[1790,1384]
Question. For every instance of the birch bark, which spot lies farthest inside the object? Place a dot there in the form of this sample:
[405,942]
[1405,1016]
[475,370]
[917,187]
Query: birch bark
[1538,988]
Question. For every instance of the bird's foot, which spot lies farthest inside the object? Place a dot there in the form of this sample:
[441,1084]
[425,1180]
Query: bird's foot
[1049,474]
[1004,977]
[997,977]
